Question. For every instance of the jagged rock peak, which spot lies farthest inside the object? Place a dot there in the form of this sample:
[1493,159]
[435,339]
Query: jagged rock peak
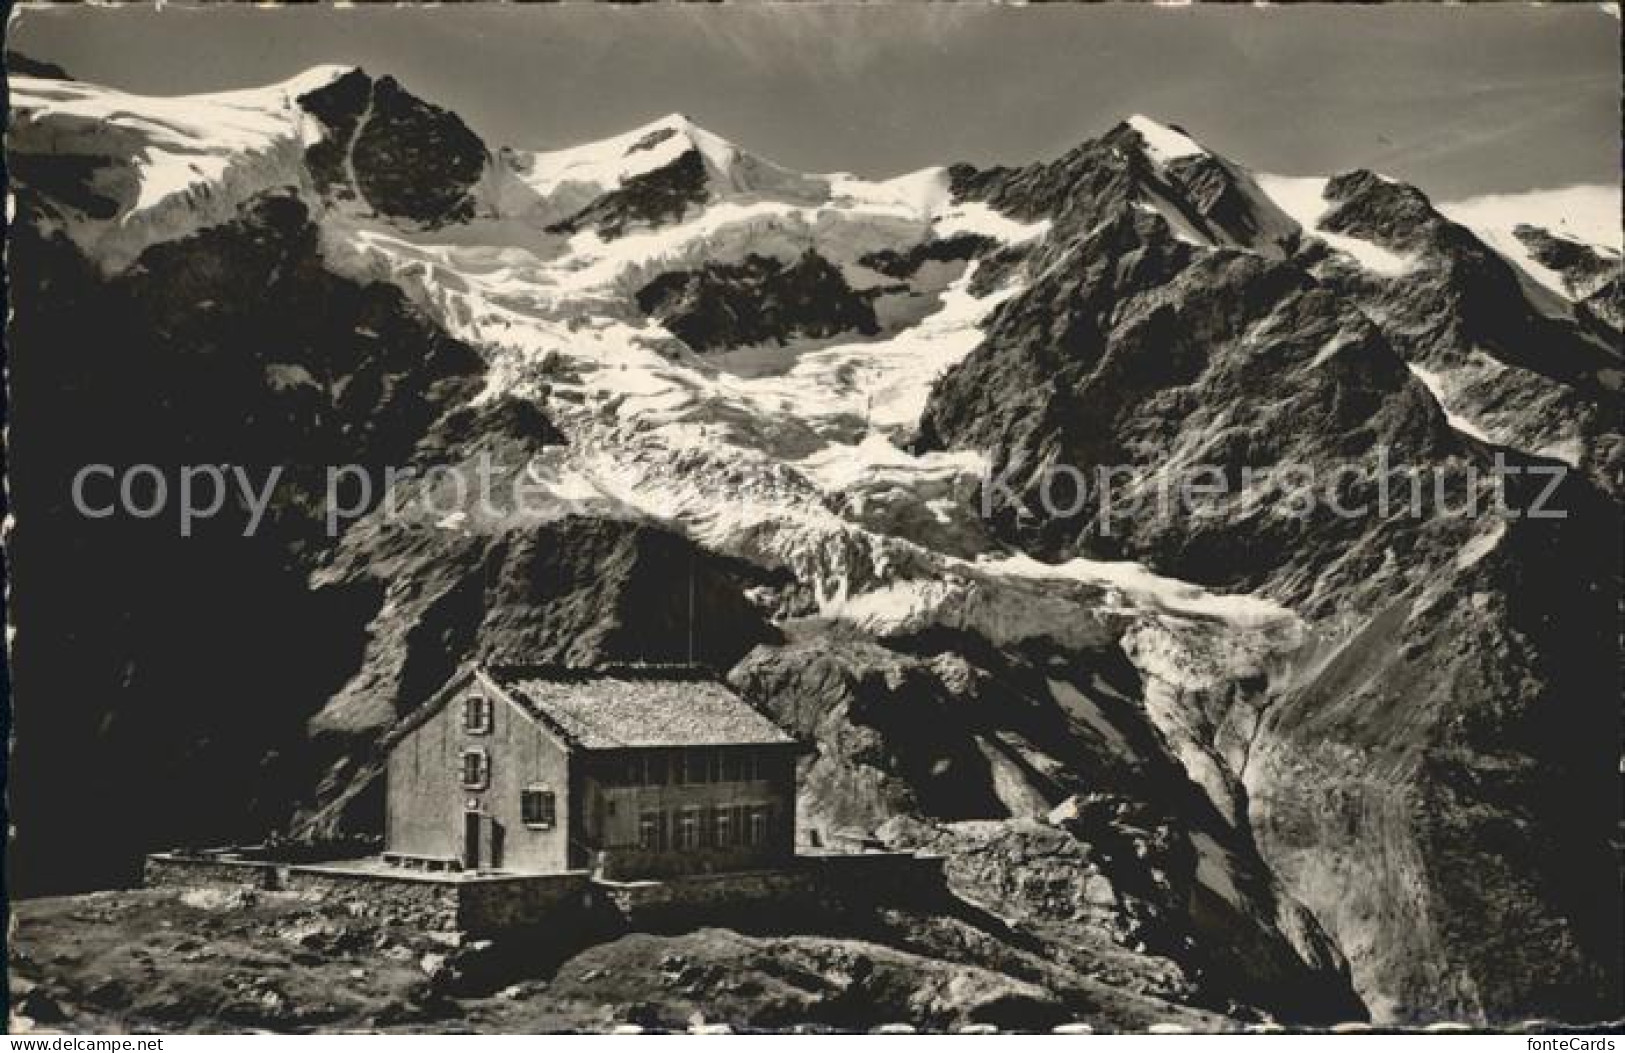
[656,173]
[389,150]
[1347,185]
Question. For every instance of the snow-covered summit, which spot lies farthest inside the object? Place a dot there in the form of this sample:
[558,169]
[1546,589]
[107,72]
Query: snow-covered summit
[1164,142]
[166,164]
[557,183]
[604,164]
[178,142]
[212,123]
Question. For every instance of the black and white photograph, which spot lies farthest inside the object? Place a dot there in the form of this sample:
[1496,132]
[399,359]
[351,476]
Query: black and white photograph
[832,518]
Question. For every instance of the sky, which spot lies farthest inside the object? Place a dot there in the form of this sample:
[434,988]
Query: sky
[1459,99]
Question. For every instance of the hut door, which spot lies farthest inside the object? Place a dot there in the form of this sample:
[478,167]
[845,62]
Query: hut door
[471,840]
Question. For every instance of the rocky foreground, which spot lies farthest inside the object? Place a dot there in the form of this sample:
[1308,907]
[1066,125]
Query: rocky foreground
[211,960]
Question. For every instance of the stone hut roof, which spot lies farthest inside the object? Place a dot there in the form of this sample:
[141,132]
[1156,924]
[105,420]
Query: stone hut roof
[621,707]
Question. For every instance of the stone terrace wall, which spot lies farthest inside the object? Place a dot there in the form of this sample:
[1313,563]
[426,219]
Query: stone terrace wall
[819,885]
[423,903]
[478,905]
[711,898]
[163,870]
[488,905]
[812,885]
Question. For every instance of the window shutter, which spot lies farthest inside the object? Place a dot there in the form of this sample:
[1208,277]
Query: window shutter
[477,713]
[538,807]
[475,769]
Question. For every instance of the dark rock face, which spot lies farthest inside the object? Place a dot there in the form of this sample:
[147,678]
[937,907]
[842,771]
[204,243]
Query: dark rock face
[501,421]
[339,106]
[1461,300]
[897,734]
[726,305]
[1219,193]
[1394,215]
[574,591]
[1534,377]
[1451,761]
[77,181]
[1583,268]
[1465,295]
[26,66]
[1606,303]
[1073,191]
[650,141]
[1215,199]
[1142,353]
[404,157]
[1565,255]
[179,671]
[903,265]
[659,196]
[414,159]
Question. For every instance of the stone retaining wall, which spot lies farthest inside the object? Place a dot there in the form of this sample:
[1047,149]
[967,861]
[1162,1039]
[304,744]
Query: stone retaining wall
[422,903]
[714,898]
[485,905]
[488,905]
[164,870]
[812,885]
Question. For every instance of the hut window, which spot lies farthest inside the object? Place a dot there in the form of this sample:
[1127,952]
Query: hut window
[538,807]
[688,829]
[651,832]
[722,835]
[477,714]
[476,769]
[758,827]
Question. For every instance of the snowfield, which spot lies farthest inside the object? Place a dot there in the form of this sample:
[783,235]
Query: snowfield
[1304,199]
[198,157]
[1588,213]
